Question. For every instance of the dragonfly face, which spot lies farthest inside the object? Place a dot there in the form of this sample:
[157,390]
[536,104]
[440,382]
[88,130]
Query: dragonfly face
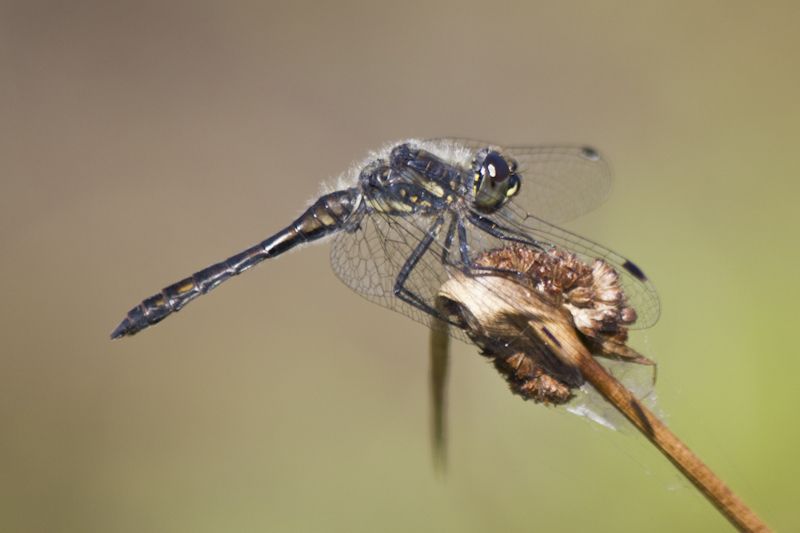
[419,211]
[495,180]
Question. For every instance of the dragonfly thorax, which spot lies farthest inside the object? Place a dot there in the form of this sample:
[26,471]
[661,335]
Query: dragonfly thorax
[411,181]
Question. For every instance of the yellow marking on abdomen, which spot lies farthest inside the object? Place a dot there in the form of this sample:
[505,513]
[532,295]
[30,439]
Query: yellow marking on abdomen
[187,286]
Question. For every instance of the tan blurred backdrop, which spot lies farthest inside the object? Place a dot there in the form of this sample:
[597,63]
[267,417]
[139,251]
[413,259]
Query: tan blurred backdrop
[142,141]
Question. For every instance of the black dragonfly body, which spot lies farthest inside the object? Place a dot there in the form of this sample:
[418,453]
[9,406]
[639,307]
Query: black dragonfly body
[417,210]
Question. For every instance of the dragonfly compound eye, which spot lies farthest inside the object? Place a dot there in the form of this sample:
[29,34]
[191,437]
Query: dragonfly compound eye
[495,168]
[494,182]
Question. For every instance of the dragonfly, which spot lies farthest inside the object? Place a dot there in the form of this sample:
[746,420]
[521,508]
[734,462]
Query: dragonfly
[415,212]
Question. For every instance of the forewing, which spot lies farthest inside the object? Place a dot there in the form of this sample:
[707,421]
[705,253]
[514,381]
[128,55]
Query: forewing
[559,183]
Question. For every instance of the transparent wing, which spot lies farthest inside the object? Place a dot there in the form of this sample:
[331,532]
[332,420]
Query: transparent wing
[559,183]
[369,260]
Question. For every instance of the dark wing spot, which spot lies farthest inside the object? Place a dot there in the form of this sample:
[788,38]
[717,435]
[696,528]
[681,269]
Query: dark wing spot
[636,271]
[590,153]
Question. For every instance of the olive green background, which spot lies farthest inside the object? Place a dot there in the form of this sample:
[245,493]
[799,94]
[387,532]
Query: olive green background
[143,141]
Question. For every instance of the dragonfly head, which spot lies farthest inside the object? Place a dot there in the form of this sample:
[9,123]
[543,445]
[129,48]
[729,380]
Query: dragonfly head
[495,180]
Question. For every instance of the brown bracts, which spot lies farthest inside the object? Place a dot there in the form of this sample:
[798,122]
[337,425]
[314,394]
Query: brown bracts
[574,305]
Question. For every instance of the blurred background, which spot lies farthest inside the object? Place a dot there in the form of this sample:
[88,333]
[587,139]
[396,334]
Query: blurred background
[143,141]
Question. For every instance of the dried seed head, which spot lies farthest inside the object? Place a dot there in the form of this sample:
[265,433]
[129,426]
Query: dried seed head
[591,294]
[533,313]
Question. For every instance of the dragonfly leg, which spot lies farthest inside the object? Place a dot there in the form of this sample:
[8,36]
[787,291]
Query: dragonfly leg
[399,287]
[495,230]
[504,234]
[448,241]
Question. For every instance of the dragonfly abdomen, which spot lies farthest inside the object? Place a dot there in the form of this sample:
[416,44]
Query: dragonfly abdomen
[324,217]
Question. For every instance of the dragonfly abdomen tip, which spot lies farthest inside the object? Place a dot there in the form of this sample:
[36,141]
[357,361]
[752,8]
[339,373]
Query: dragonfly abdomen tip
[125,328]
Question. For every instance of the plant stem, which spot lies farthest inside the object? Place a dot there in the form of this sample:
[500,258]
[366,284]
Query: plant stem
[722,497]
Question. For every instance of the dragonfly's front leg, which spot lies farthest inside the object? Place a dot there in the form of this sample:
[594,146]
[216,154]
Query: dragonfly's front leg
[495,230]
[504,234]
[422,248]
[411,263]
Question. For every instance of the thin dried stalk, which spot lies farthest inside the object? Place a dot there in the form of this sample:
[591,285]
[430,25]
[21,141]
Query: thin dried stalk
[439,348]
[513,322]
[712,487]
